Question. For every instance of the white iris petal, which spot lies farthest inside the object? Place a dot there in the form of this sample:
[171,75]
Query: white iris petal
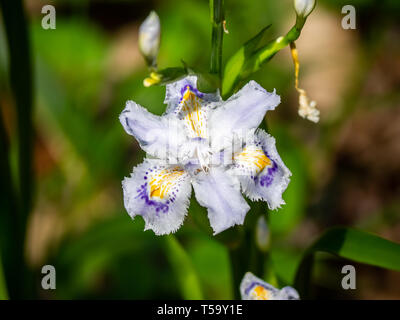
[261,172]
[159,193]
[220,193]
[158,136]
[242,112]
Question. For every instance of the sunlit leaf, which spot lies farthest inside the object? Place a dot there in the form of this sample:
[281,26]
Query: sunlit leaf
[234,66]
[212,264]
[183,268]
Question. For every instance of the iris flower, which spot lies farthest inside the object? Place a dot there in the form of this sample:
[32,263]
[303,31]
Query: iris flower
[207,143]
[253,288]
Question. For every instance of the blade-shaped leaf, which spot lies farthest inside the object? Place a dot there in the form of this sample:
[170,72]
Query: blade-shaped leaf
[351,244]
[246,62]
[236,63]
[20,73]
[183,268]
[3,288]
[8,216]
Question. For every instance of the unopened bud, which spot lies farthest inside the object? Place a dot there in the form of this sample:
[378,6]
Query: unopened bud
[262,234]
[304,7]
[149,38]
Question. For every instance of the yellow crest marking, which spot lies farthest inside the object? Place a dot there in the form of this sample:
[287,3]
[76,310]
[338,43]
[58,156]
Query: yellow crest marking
[162,182]
[253,157]
[260,293]
[194,116]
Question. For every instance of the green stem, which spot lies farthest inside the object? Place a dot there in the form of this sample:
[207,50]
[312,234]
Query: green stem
[237,270]
[217,21]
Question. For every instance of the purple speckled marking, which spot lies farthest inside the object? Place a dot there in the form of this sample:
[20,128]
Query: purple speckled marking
[159,206]
[142,193]
[267,179]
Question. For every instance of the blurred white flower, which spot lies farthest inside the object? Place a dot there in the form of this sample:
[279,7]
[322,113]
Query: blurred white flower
[193,143]
[253,288]
[307,108]
[149,38]
[304,7]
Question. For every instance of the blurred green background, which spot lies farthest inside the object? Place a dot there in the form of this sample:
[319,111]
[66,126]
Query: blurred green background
[346,169]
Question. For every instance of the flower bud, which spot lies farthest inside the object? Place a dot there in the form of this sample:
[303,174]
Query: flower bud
[304,7]
[262,234]
[149,38]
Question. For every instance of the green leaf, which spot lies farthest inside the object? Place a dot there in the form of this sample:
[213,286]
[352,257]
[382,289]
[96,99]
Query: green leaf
[234,66]
[351,244]
[3,287]
[249,60]
[266,52]
[212,264]
[20,72]
[207,82]
[183,268]
[284,261]
[8,217]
